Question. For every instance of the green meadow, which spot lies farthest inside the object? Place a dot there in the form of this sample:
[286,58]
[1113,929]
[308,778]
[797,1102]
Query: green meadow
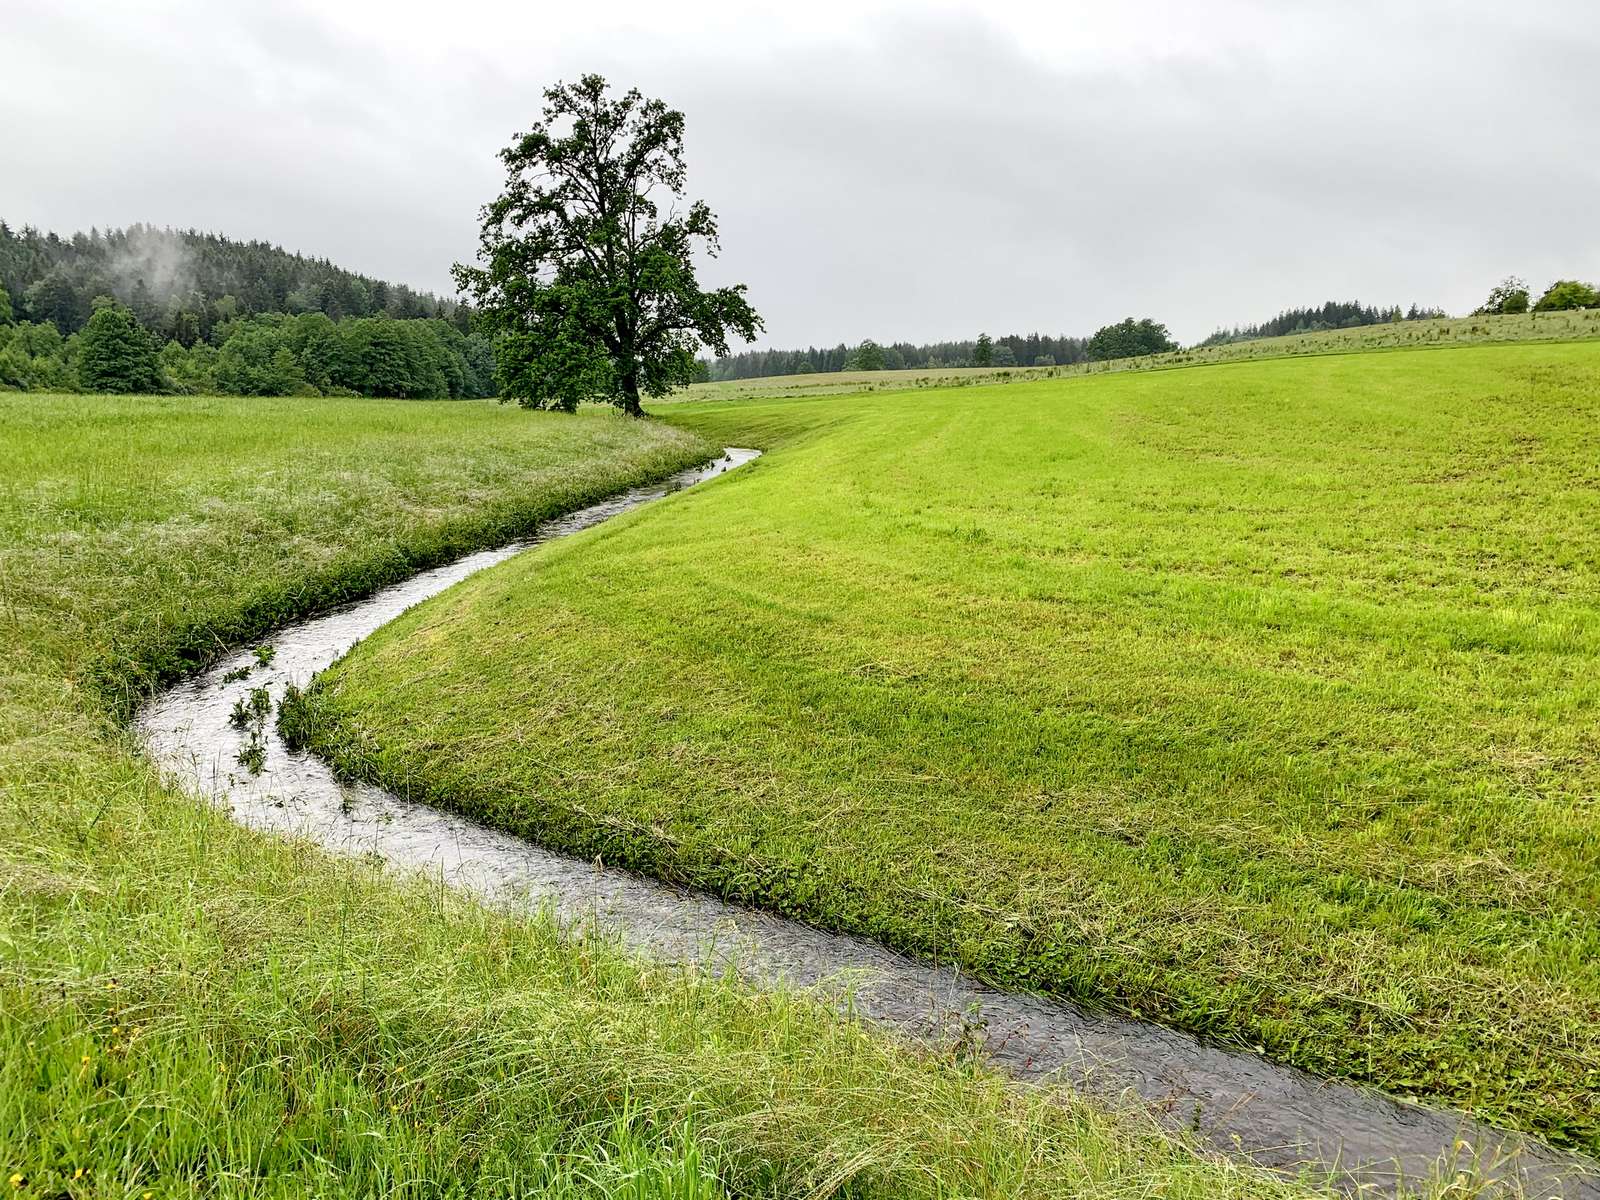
[1258,699]
[190,1008]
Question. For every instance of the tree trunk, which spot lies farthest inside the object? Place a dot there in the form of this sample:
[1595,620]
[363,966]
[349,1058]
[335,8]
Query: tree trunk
[630,396]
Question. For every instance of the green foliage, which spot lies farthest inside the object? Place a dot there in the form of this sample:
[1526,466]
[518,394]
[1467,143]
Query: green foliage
[1510,295]
[983,351]
[590,292]
[1129,339]
[6,315]
[255,361]
[1567,294]
[191,372]
[277,355]
[1255,700]
[868,356]
[115,354]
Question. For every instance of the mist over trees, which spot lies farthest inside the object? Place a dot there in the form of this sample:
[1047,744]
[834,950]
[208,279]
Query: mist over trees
[180,284]
[148,310]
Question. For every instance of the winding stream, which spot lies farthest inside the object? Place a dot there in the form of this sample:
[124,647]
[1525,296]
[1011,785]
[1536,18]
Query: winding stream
[1235,1102]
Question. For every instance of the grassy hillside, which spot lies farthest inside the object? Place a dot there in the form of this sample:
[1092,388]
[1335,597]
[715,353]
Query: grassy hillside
[1260,700]
[1574,325]
[187,1007]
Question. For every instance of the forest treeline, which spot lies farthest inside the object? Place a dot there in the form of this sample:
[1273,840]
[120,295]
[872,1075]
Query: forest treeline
[270,354]
[1026,350]
[181,284]
[154,310]
[161,310]
[1127,338]
[1334,314]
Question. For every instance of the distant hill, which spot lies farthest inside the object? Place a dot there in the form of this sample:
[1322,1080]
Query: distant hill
[1334,314]
[182,283]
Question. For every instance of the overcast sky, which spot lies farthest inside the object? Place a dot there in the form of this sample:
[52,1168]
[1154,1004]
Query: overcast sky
[911,172]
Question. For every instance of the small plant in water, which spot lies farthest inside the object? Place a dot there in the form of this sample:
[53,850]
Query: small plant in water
[264,654]
[237,674]
[253,754]
[250,714]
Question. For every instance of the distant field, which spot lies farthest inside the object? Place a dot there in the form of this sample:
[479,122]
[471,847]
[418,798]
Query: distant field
[190,1008]
[1260,700]
[1451,331]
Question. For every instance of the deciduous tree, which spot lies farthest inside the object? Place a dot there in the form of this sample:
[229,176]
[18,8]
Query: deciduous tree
[587,285]
[1567,293]
[1130,339]
[1510,295]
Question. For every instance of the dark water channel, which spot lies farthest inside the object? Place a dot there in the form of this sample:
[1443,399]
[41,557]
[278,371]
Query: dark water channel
[1235,1102]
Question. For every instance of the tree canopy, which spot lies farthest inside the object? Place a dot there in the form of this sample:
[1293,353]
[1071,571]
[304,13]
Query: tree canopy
[1130,339]
[588,288]
[181,284]
[1510,295]
[1567,293]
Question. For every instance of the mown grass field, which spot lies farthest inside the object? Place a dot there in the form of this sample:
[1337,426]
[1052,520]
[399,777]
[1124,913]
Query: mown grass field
[1258,699]
[1573,325]
[189,1008]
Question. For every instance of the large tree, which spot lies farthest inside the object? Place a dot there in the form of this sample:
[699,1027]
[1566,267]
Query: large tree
[1567,293]
[587,286]
[1130,339]
[1510,295]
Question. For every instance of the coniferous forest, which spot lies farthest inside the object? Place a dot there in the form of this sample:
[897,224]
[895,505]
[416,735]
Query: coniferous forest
[149,310]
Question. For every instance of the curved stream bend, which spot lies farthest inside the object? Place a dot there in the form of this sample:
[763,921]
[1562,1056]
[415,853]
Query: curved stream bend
[1278,1116]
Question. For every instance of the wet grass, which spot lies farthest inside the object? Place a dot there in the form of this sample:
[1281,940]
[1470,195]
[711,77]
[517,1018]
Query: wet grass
[187,1007]
[1259,700]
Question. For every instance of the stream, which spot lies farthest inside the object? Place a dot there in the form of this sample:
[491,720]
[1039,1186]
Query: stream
[1234,1102]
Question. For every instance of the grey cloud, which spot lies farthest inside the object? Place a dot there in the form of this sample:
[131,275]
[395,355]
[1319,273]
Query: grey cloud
[906,176]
